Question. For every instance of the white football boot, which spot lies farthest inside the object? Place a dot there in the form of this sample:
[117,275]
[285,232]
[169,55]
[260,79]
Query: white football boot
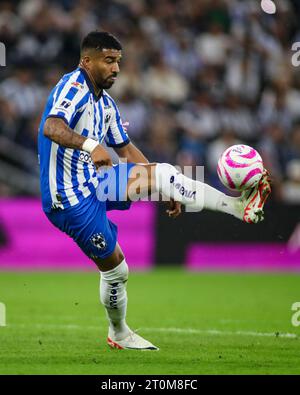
[131,342]
[253,200]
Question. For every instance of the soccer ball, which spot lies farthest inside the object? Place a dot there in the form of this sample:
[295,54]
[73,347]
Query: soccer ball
[240,167]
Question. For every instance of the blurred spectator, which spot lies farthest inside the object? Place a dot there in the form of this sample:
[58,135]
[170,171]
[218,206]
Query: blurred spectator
[11,24]
[134,111]
[243,70]
[23,92]
[199,117]
[177,49]
[273,107]
[291,187]
[274,151]
[160,145]
[128,80]
[162,82]
[294,145]
[9,119]
[215,149]
[239,117]
[213,45]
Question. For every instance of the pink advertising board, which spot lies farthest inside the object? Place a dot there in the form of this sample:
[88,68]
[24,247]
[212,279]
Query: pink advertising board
[33,243]
[242,257]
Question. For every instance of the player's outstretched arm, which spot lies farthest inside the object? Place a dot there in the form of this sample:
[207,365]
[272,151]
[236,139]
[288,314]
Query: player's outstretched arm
[59,132]
[131,153]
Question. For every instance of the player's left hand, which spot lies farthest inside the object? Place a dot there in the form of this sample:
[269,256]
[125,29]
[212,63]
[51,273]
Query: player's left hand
[174,209]
[125,126]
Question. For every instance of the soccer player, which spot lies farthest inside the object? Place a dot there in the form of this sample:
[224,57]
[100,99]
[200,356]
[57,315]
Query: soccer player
[77,170]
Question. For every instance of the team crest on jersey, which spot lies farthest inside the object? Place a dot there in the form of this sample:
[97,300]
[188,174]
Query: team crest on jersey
[98,240]
[107,118]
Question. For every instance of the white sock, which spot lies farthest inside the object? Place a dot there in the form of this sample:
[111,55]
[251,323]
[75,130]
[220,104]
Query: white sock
[194,194]
[218,201]
[113,296]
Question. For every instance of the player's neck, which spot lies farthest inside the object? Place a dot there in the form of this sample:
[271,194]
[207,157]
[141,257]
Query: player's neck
[97,90]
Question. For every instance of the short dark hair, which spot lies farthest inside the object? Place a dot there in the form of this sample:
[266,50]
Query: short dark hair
[99,40]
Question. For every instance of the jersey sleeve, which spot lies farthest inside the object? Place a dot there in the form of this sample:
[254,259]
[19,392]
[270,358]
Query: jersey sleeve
[68,100]
[116,136]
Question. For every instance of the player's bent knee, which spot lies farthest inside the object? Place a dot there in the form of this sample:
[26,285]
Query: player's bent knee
[118,274]
[123,271]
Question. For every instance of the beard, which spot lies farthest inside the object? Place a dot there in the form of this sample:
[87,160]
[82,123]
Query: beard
[107,84]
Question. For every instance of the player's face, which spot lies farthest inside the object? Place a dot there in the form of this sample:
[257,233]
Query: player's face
[105,67]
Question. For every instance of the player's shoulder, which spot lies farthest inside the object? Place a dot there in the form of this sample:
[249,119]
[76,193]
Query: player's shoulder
[75,79]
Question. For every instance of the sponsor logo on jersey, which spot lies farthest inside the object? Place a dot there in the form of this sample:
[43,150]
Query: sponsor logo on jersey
[85,157]
[77,84]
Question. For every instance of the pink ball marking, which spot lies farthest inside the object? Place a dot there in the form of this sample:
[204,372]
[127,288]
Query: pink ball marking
[250,154]
[251,174]
[229,179]
[219,170]
[231,163]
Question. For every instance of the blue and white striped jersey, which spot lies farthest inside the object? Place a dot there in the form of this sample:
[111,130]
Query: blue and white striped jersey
[67,176]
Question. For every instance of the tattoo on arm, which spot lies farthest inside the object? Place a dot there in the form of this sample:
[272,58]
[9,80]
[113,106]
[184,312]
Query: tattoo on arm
[59,132]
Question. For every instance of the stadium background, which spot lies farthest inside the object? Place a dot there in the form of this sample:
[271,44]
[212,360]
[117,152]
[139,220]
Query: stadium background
[196,77]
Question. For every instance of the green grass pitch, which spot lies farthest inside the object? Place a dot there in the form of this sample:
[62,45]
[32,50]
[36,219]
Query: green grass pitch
[203,323]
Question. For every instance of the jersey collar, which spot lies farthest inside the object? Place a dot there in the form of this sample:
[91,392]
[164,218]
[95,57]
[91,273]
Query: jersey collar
[90,85]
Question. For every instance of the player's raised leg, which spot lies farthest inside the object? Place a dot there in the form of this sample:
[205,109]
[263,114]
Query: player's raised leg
[166,179]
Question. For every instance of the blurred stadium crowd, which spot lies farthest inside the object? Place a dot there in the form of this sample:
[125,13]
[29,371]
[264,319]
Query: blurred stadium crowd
[196,77]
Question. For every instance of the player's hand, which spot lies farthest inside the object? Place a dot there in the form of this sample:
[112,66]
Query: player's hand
[100,157]
[125,126]
[174,210]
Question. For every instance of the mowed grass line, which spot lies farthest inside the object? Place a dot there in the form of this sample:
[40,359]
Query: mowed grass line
[56,324]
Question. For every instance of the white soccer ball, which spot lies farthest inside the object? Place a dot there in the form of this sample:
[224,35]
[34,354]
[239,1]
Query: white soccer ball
[240,167]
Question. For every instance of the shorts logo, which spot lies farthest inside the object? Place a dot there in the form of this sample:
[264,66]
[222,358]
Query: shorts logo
[98,240]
